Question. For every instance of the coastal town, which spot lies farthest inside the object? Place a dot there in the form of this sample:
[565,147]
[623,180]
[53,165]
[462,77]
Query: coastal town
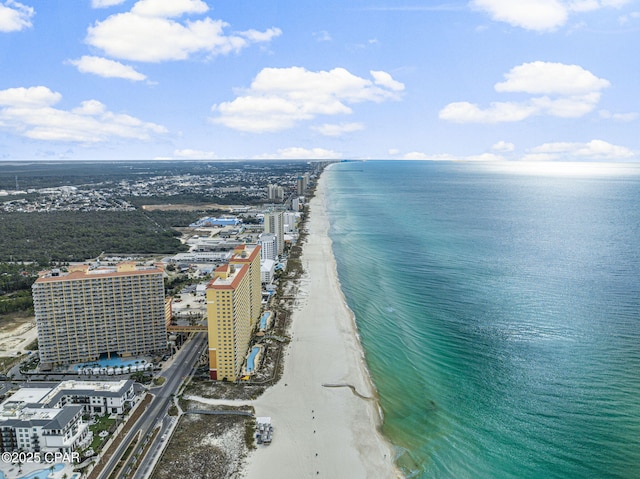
[228,182]
[129,381]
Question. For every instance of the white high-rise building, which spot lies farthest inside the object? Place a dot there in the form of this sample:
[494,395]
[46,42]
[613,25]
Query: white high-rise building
[290,220]
[274,223]
[268,246]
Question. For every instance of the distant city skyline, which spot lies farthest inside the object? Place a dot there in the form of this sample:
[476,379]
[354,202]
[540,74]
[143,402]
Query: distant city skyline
[527,80]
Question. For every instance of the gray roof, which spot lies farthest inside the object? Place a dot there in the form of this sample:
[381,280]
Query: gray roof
[65,416]
[90,392]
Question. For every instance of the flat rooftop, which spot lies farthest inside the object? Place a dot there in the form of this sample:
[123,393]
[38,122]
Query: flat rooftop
[28,395]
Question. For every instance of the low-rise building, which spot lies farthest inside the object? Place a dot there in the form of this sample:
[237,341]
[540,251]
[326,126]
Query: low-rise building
[36,419]
[97,397]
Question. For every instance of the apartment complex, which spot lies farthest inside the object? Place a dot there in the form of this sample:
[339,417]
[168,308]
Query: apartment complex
[275,193]
[38,419]
[95,311]
[233,309]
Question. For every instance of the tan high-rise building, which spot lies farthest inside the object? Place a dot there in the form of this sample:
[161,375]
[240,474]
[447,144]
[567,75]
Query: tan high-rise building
[250,255]
[86,313]
[233,309]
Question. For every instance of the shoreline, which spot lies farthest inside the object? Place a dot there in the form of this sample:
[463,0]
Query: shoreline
[324,409]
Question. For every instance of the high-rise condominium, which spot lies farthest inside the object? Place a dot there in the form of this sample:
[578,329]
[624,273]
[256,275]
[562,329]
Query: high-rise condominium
[233,309]
[89,312]
[274,223]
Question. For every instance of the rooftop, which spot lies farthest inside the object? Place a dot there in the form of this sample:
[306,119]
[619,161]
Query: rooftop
[87,271]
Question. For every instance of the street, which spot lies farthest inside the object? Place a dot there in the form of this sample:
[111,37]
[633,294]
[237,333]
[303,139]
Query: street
[156,413]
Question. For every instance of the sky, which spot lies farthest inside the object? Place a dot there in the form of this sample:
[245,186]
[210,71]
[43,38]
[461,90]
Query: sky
[496,80]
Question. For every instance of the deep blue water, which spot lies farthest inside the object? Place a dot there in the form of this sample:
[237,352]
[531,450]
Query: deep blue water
[499,313]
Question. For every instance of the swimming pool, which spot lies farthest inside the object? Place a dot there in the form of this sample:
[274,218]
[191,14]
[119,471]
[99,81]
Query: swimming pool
[113,365]
[41,473]
[264,320]
[252,359]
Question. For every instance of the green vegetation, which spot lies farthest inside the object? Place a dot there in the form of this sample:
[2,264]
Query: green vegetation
[159,381]
[30,364]
[15,286]
[77,236]
[104,423]
[250,434]
[7,362]
[141,377]
[173,410]
[176,282]
[20,301]
[16,277]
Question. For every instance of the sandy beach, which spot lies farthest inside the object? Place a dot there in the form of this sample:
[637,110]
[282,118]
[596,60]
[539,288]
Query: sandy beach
[323,410]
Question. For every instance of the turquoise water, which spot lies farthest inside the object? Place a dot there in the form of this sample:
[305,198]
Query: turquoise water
[499,313]
[41,473]
[264,319]
[252,359]
[112,362]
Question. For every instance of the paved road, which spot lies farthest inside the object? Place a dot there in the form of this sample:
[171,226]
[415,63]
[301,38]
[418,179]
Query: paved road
[156,413]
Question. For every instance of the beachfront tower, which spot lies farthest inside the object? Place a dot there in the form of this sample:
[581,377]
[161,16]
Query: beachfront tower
[233,310]
[94,311]
[274,223]
[268,248]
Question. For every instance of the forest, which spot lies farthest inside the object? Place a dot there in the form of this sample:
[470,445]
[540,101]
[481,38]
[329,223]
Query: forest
[78,236]
[15,286]
[30,242]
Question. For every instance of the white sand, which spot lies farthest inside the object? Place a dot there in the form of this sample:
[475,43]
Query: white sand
[322,431]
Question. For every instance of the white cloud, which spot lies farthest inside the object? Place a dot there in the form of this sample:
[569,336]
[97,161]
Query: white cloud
[503,146]
[194,154]
[255,36]
[106,3]
[34,97]
[106,68]
[569,107]
[90,107]
[328,129]
[622,117]
[575,91]
[15,16]
[383,79]
[540,15]
[30,112]
[628,18]
[498,112]
[279,98]
[591,5]
[322,36]
[148,33]
[551,78]
[164,9]
[297,153]
[594,150]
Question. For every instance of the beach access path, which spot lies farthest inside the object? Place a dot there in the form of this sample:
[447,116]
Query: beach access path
[323,409]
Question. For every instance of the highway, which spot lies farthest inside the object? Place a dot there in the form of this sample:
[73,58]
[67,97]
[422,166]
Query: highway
[156,413]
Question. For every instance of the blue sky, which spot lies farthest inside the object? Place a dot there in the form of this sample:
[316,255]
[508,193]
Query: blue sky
[512,80]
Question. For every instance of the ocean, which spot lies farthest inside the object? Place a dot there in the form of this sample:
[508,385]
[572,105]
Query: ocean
[499,311]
